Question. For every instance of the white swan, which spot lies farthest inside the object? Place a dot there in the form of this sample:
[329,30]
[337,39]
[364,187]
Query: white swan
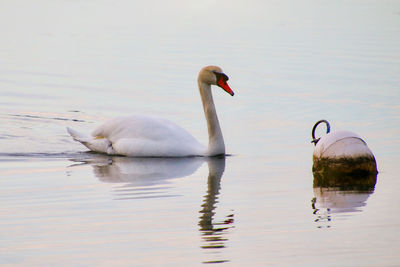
[146,136]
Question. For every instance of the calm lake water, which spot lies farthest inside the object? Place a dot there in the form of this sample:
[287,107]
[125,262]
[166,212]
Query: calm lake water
[79,63]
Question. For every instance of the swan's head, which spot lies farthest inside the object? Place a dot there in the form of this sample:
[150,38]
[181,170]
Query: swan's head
[215,76]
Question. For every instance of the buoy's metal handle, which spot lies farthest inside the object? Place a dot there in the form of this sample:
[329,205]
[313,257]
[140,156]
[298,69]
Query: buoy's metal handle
[328,129]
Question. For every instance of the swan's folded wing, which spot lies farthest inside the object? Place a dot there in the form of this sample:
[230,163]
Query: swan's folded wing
[140,135]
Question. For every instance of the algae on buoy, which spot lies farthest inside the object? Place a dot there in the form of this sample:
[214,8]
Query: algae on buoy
[341,151]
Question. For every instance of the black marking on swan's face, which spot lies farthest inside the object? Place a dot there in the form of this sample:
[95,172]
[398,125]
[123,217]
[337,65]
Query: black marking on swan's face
[220,75]
[221,81]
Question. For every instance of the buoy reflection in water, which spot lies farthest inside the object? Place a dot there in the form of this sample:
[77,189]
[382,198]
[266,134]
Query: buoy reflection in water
[340,193]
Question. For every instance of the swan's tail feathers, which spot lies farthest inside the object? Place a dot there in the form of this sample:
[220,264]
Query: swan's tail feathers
[97,144]
[77,136]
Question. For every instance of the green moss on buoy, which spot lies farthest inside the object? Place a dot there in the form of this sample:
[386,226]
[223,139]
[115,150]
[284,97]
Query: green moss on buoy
[345,174]
[346,165]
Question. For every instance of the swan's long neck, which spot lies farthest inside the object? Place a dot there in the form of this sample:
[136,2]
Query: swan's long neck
[216,145]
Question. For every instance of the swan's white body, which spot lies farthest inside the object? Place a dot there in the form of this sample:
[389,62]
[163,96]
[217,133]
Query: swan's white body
[146,136]
[141,136]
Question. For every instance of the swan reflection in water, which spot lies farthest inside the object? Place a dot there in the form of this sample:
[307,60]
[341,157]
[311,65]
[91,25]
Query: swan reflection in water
[341,194]
[147,177]
[141,177]
[214,234]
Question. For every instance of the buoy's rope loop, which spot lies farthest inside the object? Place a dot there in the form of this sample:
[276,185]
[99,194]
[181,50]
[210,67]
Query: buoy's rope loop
[328,129]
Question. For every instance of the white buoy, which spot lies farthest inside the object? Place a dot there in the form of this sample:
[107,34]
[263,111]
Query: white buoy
[342,151]
[344,171]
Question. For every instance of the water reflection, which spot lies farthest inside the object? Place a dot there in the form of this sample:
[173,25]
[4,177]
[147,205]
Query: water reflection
[341,194]
[214,234]
[141,177]
[148,178]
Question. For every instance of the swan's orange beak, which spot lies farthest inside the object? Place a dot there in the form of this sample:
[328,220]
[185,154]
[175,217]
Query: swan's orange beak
[224,85]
